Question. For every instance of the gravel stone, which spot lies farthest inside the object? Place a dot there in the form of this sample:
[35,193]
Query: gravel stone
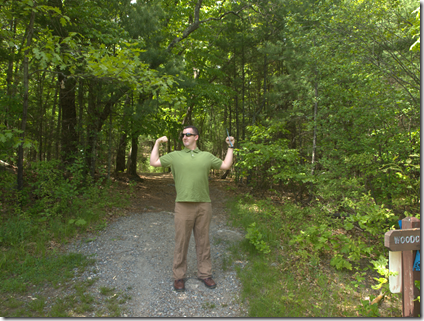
[134,255]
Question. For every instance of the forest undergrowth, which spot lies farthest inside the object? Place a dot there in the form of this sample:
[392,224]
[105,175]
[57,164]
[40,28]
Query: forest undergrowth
[322,98]
[300,261]
[303,262]
[53,209]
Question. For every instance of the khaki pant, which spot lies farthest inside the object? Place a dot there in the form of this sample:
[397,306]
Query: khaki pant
[196,217]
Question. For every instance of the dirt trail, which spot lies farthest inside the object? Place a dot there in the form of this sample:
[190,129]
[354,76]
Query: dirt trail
[134,255]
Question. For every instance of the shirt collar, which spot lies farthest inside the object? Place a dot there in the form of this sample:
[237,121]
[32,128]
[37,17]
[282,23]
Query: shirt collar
[187,150]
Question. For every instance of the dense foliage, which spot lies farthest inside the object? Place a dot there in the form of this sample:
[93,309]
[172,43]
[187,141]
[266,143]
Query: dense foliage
[322,96]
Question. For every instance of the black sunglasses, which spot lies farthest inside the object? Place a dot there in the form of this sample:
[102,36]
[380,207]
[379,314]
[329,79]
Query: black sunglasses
[187,135]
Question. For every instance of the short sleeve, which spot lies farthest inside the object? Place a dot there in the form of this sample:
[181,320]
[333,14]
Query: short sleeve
[215,162]
[166,160]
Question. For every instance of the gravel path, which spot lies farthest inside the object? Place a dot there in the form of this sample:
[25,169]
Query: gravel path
[134,254]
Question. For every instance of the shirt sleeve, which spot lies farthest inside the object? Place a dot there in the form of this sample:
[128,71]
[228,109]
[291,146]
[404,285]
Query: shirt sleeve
[215,162]
[166,160]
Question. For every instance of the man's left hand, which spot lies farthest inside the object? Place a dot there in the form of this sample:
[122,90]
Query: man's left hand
[230,139]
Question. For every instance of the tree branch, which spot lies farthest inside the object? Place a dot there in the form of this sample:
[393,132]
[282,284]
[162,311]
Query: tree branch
[196,23]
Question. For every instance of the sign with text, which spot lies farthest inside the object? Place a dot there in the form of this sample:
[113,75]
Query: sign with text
[403,245]
[403,240]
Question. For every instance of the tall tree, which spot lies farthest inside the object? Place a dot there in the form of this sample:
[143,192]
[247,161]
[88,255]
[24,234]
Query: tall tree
[29,32]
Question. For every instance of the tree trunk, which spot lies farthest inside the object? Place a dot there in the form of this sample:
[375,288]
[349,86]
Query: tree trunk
[93,100]
[20,177]
[236,97]
[132,168]
[80,112]
[264,94]
[237,119]
[187,119]
[120,154]
[97,116]
[243,124]
[43,127]
[9,75]
[49,124]
[69,117]
[132,134]
[41,119]
[109,158]
[93,154]
[314,140]
[59,121]
[67,84]
[129,160]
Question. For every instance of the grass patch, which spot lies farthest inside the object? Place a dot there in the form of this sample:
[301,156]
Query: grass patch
[225,263]
[34,224]
[51,272]
[293,279]
[208,305]
[81,302]
[19,276]
[275,292]
[104,290]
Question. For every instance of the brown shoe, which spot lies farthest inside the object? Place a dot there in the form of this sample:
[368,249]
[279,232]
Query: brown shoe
[209,283]
[179,285]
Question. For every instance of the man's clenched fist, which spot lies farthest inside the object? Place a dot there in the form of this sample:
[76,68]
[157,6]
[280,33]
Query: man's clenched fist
[162,139]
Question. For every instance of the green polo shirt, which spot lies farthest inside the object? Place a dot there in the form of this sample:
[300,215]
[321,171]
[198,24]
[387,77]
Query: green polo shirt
[190,169]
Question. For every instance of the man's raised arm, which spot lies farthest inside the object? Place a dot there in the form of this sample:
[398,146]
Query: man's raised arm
[154,156]
[228,161]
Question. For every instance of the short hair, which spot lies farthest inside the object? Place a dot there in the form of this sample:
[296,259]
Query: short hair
[195,130]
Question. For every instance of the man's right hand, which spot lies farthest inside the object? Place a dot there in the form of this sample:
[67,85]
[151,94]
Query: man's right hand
[154,156]
[162,139]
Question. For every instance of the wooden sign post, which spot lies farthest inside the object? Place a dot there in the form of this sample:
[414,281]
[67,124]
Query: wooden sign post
[408,241]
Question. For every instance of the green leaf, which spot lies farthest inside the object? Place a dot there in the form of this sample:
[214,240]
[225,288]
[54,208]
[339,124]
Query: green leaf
[80,222]
[348,226]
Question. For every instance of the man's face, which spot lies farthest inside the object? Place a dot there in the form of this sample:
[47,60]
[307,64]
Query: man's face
[188,141]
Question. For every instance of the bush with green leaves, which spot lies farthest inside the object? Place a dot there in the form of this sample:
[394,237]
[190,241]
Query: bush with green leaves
[345,250]
[255,238]
[268,157]
[372,218]
[367,309]
[380,265]
[55,194]
[52,204]
[418,285]
[10,139]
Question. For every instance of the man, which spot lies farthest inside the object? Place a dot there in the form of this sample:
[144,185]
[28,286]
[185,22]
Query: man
[193,211]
